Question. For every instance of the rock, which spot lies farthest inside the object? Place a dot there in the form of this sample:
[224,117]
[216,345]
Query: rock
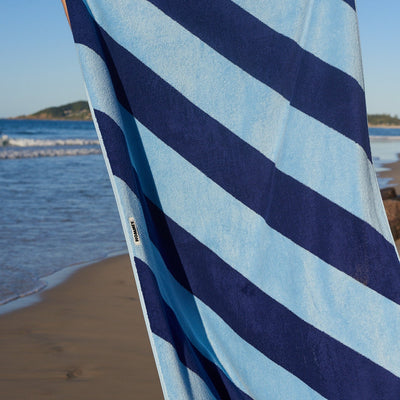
[388,193]
[392,208]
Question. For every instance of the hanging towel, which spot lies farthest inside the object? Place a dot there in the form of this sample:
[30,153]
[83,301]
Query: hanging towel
[235,136]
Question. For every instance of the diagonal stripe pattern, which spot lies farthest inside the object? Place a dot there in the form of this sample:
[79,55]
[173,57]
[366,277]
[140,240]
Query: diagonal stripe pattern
[210,304]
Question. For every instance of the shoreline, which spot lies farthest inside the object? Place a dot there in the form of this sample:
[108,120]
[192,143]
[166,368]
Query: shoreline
[49,282]
[392,173]
[85,339]
[83,336]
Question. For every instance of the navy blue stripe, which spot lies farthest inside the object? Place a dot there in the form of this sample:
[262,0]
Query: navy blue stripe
[351,3]
[326,365]
[164,323]
[162,320]
[311,85]
[86,31]
[323,363]
[121,166]
[301,214]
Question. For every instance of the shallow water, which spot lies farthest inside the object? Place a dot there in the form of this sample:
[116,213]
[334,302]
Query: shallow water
[55,211]
[385,148]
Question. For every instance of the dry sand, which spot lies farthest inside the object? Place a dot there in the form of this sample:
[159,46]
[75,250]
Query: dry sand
[86,340]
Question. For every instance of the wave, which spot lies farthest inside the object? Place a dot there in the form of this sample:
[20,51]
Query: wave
[30,153]
[6,141]
[377,138]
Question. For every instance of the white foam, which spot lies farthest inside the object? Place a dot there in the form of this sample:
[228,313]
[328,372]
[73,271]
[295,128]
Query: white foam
[12,142]
[383,138]
[30,153]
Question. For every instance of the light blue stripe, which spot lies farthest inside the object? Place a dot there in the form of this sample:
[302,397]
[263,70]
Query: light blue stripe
[327,29]
[318,293]
[176,380]
[102,96]
[184,383]
[250,109]
[261,377]
[258,376]
[121,198]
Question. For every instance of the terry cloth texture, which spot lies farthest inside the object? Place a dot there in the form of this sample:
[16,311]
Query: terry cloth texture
[236,139]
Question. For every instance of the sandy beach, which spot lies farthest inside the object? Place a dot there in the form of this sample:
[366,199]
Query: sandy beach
[85,340]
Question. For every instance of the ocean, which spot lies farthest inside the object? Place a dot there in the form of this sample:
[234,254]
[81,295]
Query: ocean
[57,205]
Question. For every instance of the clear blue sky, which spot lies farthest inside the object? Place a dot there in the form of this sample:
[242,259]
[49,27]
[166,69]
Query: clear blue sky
[380,35]
[39,66]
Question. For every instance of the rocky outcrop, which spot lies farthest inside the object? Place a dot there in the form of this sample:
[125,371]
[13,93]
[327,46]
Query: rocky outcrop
[392,207]
[388,193]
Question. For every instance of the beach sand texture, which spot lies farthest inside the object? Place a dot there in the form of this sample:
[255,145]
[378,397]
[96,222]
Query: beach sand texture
[393,172]
[86,340]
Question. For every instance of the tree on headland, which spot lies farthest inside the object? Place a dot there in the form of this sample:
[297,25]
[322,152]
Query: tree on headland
[383,119]
[77,111]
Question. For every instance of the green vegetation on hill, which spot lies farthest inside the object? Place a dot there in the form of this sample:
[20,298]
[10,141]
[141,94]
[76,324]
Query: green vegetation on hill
[383,119]
[77,111]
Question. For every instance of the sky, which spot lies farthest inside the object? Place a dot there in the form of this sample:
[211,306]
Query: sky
[380,47]
[38,61]
[39,65]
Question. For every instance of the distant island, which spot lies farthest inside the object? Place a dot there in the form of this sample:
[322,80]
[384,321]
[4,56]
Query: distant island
[77,111]
[383,121]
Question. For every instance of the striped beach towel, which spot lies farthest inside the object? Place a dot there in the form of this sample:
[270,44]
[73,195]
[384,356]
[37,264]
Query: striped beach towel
[235,136]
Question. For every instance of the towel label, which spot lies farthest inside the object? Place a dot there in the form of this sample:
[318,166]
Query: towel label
[135,232]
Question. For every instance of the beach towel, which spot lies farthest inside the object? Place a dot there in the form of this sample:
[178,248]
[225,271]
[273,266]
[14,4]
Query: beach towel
[236,140]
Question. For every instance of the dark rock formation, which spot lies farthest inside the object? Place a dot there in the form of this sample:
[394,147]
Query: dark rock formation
[388,193]
[392,207]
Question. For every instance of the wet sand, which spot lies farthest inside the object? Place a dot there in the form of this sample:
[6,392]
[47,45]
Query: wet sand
[86,340]
[393,173]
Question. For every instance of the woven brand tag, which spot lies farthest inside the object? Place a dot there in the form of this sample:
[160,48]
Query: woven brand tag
[135,232]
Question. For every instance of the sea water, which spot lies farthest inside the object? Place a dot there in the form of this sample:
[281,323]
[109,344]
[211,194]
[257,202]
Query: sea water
[385,148]
[57,205]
